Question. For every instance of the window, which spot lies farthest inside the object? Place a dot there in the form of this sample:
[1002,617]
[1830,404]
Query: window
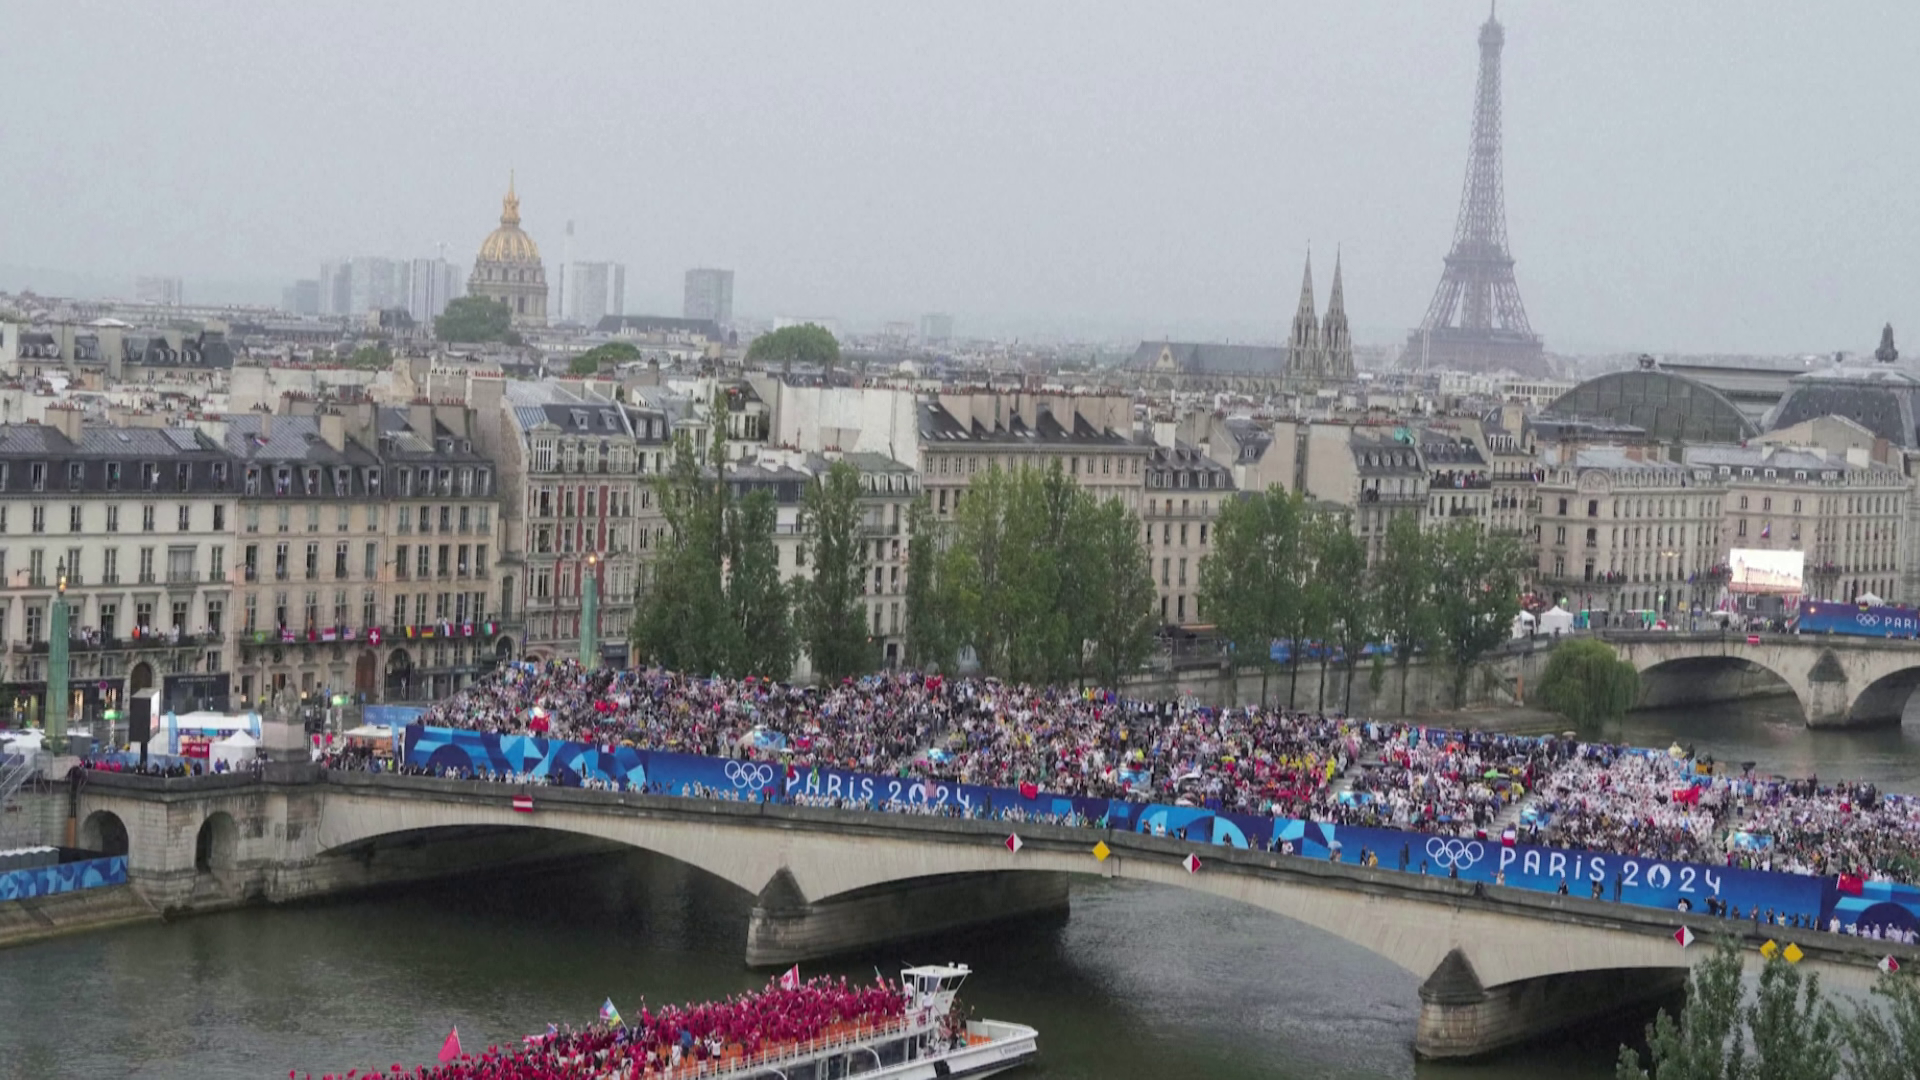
[405,521]
[220,519]
[313,561]
[113,476]
[446,520]
[186,517]
[340,560]
[73,518]
[340,607]
[313,609]
[283,518]
[399,611]
[423,563]
[313,517]
[39,518]
[146,566]
[399,560]
[480,560]
[217,564]
[368,614]
[345,520]
[146,517]
[110,567]
[252,613]
[253,519]
[280,561]
[180,564]
[372,565]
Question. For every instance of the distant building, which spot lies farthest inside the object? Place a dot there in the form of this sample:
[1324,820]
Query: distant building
[509,268]
[302,297]
[709,295]
[158,290]
[597,290]
[431,283]
[936,329]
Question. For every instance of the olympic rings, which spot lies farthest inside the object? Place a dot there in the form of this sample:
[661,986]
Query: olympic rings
[748,775]
[1451,851]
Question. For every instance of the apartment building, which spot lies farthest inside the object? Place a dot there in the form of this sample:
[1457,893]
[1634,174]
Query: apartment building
[1623,530]
[132,526]
[1184,492]
[962,434]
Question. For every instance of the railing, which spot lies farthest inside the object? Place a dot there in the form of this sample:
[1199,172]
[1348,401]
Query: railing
[183,577]
[728,1066]
[146,577]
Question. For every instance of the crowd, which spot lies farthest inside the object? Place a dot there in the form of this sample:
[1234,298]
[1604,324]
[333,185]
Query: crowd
[1253,760]
[680,1040]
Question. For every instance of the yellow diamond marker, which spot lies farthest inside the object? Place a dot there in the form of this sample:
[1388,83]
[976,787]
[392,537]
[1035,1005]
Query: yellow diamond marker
[1770,949]
[1101,850]
[1792,953]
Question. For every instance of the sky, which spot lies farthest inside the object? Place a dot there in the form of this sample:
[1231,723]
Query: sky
[1716,176]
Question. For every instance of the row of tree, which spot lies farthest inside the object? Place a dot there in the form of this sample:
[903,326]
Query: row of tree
[1787,1030]
[1284,569]
[1042,580]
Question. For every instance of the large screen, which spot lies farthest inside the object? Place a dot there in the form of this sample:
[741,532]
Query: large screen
[1767,571]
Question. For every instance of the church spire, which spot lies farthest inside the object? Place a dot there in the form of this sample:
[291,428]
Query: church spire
[1303,343]
[1336,343]
[510,206]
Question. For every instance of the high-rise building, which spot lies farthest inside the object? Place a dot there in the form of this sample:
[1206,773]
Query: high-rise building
[431,283]
[302,297]
[936,329]
[597,289]
[153,289]
[336,287]
[709,295]
[378,282]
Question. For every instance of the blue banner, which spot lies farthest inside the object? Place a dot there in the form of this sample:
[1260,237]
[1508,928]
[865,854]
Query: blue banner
[1644,882]
[63,878]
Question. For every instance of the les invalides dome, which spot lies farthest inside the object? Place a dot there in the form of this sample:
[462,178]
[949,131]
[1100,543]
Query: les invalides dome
[508,268]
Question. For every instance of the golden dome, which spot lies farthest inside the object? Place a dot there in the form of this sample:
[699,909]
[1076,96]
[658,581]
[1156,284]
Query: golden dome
[507,244]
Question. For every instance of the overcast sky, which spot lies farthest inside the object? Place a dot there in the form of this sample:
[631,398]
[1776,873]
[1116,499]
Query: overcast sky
[1728,176]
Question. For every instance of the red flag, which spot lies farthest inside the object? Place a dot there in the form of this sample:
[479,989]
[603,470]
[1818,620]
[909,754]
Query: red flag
[450,1050]
[1192,863]
[523,803]
[1889,965]
[791,980]
[1013,842]
[1684,936]
[1029,790]
[1852,885]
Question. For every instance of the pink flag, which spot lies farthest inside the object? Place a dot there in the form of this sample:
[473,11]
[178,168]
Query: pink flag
[791,980]
[450,1050]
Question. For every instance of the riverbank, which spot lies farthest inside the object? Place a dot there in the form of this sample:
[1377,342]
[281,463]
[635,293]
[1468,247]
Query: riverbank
[43,917]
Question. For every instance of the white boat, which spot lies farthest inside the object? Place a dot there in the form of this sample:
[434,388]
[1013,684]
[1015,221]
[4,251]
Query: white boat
[928,1042]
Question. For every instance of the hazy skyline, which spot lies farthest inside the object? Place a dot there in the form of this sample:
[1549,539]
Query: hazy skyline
[1710,177]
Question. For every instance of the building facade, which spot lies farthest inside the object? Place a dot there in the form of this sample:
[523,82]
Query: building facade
[596,290]
[708,294]
[1623,531]
[965,433]
[508,268]
[1184,492]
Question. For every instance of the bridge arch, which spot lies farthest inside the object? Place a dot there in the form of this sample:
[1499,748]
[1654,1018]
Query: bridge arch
[216,842]
[1884,700]
[103,831]
[1672,682]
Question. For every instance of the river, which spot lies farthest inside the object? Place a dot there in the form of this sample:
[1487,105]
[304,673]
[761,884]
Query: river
[1138,982]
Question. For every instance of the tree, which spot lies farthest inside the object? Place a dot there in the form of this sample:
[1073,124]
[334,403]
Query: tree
[930,641]
[475,320]
[1794,1033]
[1249,581]
[1400,586]
[682,623]
[1120,610]
[1705,1043]
[1001,574]
[804,344]
[828,605]
[1354,624]
[756,597]
[610,355]
[1586,683]
[1884,1040]
[1476,594]
[375,357]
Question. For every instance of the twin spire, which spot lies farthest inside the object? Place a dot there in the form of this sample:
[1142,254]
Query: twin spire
[1316,349]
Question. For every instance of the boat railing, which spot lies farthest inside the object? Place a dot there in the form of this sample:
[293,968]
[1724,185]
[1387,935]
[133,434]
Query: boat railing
[728,1066]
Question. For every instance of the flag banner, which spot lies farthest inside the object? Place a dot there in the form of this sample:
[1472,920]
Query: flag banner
[791,980]
[1192,863]
[608,1013]
[450,1049]
[1684,936]
[523,803]
[1013,843]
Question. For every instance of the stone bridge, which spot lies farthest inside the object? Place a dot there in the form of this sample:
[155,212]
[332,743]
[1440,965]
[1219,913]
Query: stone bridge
[1840,681]
[1498,965]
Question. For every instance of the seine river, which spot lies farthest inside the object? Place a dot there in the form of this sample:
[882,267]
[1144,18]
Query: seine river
[1138,982]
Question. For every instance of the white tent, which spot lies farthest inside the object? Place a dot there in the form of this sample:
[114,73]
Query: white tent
[1555,621]
[1522,624]
[236,750]
[1869,599]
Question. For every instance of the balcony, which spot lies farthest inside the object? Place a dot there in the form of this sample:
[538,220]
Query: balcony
[183,577]
[251,572]
[280,573]
[148,640]
[146,577]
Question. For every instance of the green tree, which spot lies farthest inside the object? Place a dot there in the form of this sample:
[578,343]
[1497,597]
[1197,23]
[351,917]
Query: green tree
[682,623]
[376,357]
[1883,1037]
[1353,624]
[1400,586]
[828,605]
[1250,582]
[756,597]
[1000,575]
[803,344]
[475,320]
[1475,594]
[930,642]
[1705,1043]
[1120,602]
[610,355]
[1796,1032]
[1586,683]
[1789,1031]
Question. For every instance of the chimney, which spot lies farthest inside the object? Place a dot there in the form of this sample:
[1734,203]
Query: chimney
[266,424]
[68,420]
[333,429]
[420,419]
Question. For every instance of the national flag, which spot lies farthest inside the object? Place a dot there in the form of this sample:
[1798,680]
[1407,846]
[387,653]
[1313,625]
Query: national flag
[1852,885]
[1013,843]
[1509,836]
[1766,530]
[1029,790]
[1889,965]
[1684,936]
[608,1013]
[791,979]
[1192,863]
[523,804]
[450,1050]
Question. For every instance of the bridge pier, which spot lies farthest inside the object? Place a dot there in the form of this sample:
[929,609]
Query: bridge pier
[785,928]
[1459,1018]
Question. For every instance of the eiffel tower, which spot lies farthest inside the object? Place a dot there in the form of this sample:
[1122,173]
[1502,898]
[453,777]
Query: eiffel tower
[1476,321]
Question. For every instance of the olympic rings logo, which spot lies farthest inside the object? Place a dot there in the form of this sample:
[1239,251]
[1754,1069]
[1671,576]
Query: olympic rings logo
[749,776]
[1451,852]
[1867,620]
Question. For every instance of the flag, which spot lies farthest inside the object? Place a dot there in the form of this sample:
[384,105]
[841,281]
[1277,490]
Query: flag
[1509,837]
[1684,936]
[1192,863]
[1013,843]
[608,1013]
[791,980]
[1889,965]
[523,804]
[1766,530]
[1029,790]
[1852,885]
[450,1050]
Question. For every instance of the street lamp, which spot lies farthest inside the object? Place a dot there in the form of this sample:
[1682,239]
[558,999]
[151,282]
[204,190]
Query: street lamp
[590,615]
[57,663]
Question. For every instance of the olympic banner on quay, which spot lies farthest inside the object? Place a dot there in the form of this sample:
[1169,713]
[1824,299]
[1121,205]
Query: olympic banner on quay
[1646,882]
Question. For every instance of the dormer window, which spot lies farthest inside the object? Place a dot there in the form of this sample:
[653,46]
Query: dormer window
[485,479]
[342,481]
[579,418]
[76,475]
[373,481]
[220,476]
[313,481]
[282,480]
[113,476]
[406,482]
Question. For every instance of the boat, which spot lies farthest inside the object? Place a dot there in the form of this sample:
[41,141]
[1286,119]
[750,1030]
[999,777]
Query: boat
[931,1040]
